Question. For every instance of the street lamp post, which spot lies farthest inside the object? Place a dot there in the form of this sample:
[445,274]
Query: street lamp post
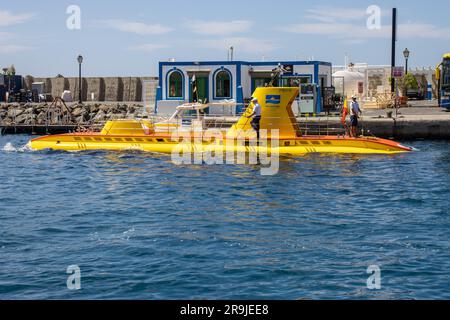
[406,55]
[80,61]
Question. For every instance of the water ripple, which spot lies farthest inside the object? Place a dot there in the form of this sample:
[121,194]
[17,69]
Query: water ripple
[140,227]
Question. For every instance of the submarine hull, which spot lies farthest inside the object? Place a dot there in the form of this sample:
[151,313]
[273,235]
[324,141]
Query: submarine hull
[164,144]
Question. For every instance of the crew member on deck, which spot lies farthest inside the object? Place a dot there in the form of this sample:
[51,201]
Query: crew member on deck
[256,115]
[355,112]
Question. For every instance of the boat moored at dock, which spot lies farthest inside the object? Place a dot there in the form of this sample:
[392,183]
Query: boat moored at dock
[280,133]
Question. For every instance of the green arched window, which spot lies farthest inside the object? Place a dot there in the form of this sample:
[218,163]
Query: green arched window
[176,85]
[223,84]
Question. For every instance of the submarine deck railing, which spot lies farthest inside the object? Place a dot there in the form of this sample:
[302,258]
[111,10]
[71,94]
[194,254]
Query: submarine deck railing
[318,127]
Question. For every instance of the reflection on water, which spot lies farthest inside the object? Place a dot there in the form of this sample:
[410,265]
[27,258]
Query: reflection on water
[141,227]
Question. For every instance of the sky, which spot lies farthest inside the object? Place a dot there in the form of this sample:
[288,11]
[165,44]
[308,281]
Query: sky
[129,38]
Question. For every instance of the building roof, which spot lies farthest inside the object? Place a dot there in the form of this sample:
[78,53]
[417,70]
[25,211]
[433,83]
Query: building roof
[247,63]
[349,74]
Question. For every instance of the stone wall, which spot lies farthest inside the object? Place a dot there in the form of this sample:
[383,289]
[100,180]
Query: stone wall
[41,114]
[113,89]
[128,89]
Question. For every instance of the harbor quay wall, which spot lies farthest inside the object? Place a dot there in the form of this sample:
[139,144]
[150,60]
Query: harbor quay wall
[25,118]
[99,89]
[407,128]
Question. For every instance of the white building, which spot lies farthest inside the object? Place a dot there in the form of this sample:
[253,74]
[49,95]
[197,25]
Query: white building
[376,79]
[233,80]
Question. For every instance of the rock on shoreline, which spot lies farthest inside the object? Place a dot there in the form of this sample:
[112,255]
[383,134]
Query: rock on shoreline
[46,114]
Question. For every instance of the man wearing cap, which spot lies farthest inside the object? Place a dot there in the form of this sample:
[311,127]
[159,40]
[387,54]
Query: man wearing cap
[256,115]
[355,112]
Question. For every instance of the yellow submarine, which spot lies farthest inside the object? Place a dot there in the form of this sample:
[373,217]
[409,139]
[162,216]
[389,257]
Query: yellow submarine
[166,137]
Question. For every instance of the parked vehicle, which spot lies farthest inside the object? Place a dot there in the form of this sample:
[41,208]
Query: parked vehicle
[415,94]
[443,76]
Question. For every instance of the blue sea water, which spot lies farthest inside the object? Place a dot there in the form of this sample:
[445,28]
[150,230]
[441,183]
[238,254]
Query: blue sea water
[140,227]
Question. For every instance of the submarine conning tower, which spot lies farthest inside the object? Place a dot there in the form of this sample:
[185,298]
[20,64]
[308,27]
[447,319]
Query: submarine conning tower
[276,107]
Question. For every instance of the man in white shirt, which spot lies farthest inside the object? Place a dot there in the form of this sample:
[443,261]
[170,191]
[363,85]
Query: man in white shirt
[355,112]
[256,115]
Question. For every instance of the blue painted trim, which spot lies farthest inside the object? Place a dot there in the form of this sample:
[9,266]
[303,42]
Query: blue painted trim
[445,103]
[429,92]
[214,76]
[159,96]
[169,73]
[239,76]
[316,74]
[160,75]
[203,63]
[240,99]
[239,90]
[247,63]
[319,99]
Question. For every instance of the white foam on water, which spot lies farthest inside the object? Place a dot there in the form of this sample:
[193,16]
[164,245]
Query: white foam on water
[9,147]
